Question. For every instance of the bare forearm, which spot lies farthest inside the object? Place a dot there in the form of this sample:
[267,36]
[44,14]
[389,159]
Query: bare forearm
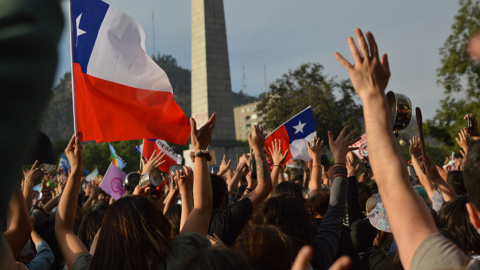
[187,206]
[447,192]
[233,183]
[19,225]
[91,200]
[202,187]
[51,204]
[172,196]
[405,210]
[264,186]
[275,177]
[426,183]
[28,193]
[315,178]
[66,208]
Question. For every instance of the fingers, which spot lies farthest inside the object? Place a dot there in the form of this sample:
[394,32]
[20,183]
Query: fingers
[385,64]
[357,57]
[372,45]
[351,135]
[152,156]
[286,153]
[71,142]
[362,44]
[193,126]
[212,120]
[342,133]
[330,137]
[343,61]
[229,163]
[34,165]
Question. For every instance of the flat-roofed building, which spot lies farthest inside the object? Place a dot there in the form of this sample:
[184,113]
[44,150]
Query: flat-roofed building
[246,116]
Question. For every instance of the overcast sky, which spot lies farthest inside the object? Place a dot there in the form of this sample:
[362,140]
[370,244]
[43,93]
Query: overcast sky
[283,34]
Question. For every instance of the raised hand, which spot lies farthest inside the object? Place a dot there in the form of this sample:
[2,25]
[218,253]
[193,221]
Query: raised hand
[251,181]
[184,180]
[369,74]
[201,137]
[224,166]
[463,140]
[473,130]
[414,146]
[351,168]
[155,161]
[430,169]
[340,146]
[316,149]
[257,139]
[34,172]
[276,153]
[73,152]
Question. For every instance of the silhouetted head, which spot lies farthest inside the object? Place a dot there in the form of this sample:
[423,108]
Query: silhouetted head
[219,191]
[288,189]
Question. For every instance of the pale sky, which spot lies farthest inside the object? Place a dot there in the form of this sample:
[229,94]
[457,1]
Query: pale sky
[283,34]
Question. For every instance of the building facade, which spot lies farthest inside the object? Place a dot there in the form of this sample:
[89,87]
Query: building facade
[246,116]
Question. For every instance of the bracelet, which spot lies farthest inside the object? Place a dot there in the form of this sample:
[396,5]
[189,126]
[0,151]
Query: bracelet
[280,166]
[249,189]
[344,164]
[200,153]
[316,165]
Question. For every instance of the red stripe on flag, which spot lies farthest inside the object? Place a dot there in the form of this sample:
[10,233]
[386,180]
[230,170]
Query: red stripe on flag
[108,111]
[148,148]
[281,135]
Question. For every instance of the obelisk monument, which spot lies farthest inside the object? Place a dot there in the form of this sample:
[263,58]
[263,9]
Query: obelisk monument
[211,86]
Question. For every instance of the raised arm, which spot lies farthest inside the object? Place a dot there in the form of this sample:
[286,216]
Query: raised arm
[70,245]
[278,159]
[354,211]
[409,217]
[199,218]
[224,167]
[237,176]
[473,129]
[432,173]
[28,179]
[326,242]
[426,183]
[264,179]
[315,151]
[18,225]
[185,186]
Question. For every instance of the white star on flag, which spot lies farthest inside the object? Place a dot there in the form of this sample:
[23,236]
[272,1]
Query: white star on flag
[79,31]
[299,127]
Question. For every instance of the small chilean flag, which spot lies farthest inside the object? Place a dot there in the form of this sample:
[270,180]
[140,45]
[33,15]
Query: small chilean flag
[120,92]
[294,135]
[170,157]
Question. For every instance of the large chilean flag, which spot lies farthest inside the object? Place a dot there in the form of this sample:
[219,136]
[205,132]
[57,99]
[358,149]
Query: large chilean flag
[120,92]
[294,135]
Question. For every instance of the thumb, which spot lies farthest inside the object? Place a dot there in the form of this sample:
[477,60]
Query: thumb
[303,258]
[343,263]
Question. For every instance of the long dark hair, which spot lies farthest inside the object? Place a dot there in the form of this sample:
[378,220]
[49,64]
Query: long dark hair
[134,235]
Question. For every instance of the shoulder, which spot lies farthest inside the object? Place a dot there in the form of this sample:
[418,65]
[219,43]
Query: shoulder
[437,252]
[82,262]
[184,246]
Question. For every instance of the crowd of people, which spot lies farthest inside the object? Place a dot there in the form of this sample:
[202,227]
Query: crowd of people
[343,216]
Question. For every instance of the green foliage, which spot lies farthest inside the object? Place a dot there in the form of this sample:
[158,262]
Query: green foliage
[98,155]
[459,75]
[332,102]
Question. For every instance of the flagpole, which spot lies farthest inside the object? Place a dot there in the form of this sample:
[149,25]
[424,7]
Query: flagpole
[71,70]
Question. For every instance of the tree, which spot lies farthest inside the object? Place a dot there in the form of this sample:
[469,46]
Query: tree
[459,76]
[332,102]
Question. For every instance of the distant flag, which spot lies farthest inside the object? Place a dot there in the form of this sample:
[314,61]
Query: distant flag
[116,159]
[361,152]
[292,163]
[64,165]
[85,171]
[119,92]
[112,182]
[170,157]
[294,135]
[92,175]
[139,148]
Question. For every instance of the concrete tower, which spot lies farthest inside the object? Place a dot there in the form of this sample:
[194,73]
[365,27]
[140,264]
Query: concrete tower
[211,86]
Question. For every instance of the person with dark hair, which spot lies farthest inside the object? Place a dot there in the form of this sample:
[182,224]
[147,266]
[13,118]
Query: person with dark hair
[134,233]
[455,181]
[265,247]
[91,223]
[173,215]
[228,221]
[288,213]
[317,205]
[454,221]
[289,189]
